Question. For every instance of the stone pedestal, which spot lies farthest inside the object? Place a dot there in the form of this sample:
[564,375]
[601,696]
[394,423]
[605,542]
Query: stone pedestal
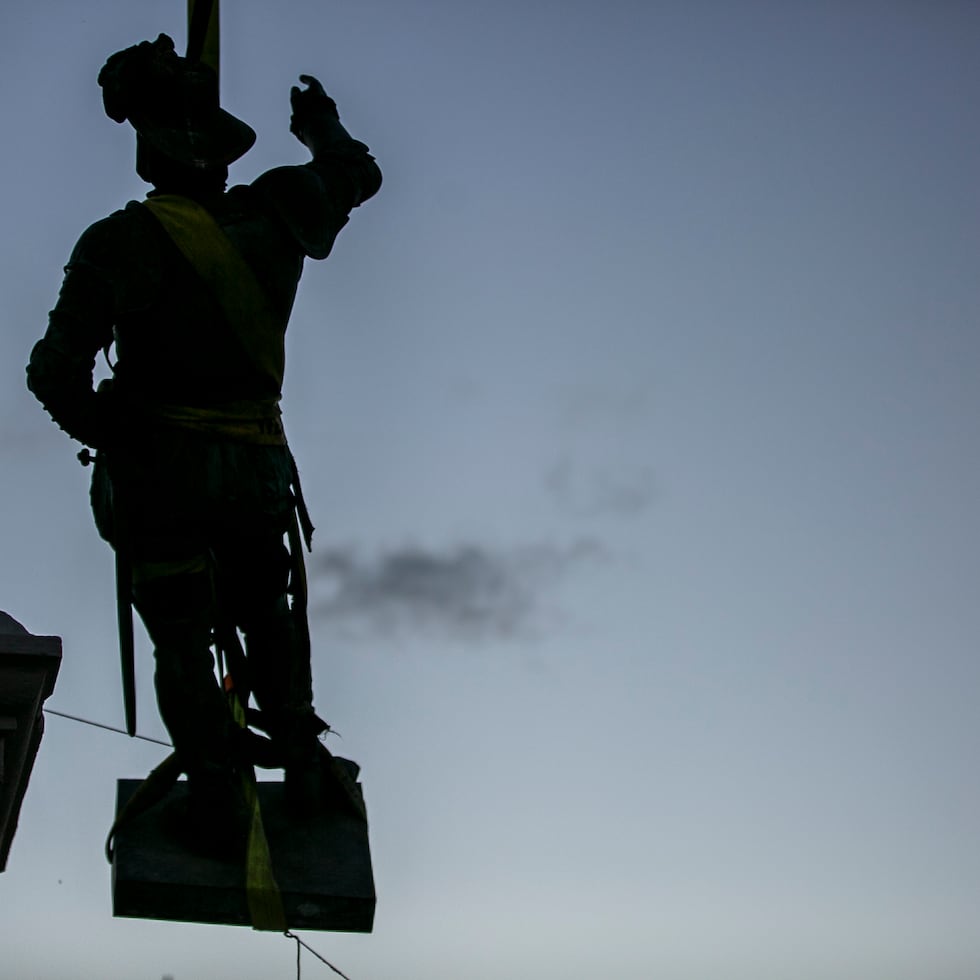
[322,867]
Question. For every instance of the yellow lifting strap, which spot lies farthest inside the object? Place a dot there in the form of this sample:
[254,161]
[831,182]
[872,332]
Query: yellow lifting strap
[233,283]
[264,898]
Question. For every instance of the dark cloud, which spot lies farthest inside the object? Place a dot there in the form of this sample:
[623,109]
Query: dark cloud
[469,591]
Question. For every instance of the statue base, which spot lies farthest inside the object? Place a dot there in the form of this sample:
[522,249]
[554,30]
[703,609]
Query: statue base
[322,867]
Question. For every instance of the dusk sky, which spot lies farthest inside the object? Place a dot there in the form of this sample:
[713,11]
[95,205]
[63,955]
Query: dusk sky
[638,415]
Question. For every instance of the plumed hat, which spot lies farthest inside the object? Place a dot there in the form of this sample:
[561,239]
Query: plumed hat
[172,103]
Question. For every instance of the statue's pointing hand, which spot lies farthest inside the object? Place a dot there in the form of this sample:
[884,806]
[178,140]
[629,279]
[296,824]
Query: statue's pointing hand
[309,104]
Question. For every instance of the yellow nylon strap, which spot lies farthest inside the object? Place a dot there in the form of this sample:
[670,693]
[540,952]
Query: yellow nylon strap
[262,892]
[259,424]
[264,899]
[242,299]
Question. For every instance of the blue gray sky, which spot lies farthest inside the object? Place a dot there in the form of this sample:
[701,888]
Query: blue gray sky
[638,416]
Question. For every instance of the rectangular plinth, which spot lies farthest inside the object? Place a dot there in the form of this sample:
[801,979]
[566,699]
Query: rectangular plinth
[322,866]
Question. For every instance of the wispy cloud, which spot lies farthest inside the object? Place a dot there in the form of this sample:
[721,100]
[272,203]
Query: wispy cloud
[616,490]
[470,591]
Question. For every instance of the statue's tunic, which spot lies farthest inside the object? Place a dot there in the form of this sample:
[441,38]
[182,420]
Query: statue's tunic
[176,354]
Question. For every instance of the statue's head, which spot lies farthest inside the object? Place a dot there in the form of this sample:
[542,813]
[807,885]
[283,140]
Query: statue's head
[173,106]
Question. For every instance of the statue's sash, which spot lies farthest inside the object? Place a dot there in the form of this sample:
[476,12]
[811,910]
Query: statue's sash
[234,285]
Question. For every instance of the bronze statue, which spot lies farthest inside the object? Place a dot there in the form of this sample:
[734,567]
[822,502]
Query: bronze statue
[194,483]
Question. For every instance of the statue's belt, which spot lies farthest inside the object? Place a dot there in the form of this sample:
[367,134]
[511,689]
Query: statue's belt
[258,423]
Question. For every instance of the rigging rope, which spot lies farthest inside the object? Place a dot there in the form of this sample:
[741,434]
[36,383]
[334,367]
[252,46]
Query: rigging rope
[108,728]
[299,942]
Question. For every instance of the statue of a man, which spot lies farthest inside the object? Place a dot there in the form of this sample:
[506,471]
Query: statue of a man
[194,286]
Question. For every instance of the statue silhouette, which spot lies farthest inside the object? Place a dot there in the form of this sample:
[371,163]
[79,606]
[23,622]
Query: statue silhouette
[194,485]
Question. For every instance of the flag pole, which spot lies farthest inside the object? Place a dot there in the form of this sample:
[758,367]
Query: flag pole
[203,33]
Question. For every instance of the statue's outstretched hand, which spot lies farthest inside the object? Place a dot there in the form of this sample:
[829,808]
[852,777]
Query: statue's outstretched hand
[309,104]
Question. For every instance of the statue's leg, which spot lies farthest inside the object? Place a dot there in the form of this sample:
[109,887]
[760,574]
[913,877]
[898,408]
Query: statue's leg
[174,599]
[176,609]
[254,575]
[252,572]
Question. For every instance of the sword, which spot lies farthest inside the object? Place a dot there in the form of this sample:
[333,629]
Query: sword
[124,589]
[124,610]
